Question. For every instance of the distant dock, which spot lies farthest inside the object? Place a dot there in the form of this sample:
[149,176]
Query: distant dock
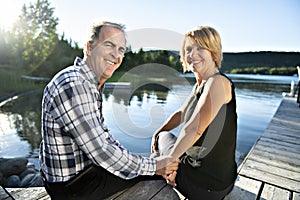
[118,85]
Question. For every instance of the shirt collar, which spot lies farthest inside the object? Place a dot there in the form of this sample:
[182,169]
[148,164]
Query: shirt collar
[87,72]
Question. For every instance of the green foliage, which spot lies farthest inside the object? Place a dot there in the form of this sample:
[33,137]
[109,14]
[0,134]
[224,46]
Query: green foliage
[33,43]
[265,70]
[35,35]
[6,55]
[12,83]
[260,62]
[62,56]
[134,59]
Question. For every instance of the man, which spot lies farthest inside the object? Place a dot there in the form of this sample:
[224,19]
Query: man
[79,158]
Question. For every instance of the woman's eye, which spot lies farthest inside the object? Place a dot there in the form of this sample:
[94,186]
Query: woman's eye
[188,49]
[199,48]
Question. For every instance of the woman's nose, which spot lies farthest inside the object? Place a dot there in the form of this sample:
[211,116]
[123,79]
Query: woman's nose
[191,54]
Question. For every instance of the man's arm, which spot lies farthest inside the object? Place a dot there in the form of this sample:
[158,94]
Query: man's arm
[80,117]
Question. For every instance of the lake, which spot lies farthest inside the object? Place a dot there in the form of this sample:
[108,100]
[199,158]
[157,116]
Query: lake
[132,116]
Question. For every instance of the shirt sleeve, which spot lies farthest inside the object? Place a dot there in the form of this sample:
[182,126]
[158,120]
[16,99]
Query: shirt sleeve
[78,112]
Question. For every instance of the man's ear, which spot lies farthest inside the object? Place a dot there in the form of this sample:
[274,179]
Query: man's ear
[88,48]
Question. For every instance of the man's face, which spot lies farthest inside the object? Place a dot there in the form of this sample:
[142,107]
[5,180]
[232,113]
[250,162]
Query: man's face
[107,54]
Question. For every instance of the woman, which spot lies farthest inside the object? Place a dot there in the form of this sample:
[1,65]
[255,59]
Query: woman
[207,141]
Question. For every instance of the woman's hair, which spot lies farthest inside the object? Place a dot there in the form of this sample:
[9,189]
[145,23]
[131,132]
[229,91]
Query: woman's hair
[96,28]
[209,39]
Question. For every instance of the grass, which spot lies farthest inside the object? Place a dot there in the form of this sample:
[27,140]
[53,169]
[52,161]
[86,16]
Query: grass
[11,83]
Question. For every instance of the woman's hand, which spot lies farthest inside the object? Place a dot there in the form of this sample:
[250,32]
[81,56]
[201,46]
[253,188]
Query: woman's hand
[154,143]
[166,166]
[171,178]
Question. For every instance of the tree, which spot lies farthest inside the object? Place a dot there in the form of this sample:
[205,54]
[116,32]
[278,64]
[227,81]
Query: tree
[5,48]
[36,36]
[62,56]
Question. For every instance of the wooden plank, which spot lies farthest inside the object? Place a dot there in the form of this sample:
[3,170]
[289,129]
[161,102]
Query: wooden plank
[274,193]
[143,190]
[282,135]
[283,129]
[167,193]
[262,165]
[283,119]
[285,159]
[181,197]
[244,188]
[269,174]
[4,195]
[32,193]
[287,169]
[278,135]
[296,196]
[116,195]
[292,147]
[280,147]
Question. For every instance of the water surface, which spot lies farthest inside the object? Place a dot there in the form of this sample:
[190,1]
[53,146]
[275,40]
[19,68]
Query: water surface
[133,120]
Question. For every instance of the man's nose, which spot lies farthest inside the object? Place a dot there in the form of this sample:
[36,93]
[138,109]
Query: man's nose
[116,53]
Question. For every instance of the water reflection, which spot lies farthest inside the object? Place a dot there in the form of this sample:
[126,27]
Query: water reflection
[134,121]
[149,90]
[21,117]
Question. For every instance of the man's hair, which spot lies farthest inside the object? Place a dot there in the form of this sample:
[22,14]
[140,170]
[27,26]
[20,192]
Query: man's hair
[96,28]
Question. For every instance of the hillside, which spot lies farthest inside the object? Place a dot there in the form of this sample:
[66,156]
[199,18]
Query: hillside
[260,59]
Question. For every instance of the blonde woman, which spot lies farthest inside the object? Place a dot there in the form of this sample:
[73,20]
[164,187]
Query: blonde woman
[207,141]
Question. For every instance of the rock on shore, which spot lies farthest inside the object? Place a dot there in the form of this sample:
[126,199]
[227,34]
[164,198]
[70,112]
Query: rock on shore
[17,172]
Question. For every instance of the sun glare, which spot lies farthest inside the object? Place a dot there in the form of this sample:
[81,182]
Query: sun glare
[9,12]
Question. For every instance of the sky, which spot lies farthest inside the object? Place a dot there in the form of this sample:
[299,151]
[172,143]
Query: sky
[244,25]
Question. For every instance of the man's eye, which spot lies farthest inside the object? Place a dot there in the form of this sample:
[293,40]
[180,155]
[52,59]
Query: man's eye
[108,45]
[122,50]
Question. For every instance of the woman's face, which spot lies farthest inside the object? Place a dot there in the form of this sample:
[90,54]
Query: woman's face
[198,58]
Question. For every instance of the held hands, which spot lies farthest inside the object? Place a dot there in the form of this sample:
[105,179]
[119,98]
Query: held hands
[166,166]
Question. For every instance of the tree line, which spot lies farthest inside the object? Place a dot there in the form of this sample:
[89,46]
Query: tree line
[264,62]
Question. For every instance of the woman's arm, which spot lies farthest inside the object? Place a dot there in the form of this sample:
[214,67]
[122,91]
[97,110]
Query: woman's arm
[177,117]
[172,122]
[217,92]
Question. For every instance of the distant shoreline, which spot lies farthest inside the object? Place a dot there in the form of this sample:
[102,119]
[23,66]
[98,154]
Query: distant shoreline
[10,96]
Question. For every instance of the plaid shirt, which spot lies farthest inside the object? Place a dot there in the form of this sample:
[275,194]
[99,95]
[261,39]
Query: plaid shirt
[73,132]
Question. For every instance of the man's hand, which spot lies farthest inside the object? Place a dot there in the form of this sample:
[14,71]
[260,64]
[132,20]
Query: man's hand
[167,166]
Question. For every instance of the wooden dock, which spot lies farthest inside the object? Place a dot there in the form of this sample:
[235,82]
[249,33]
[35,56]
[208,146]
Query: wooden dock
[271,170]
[150,189]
